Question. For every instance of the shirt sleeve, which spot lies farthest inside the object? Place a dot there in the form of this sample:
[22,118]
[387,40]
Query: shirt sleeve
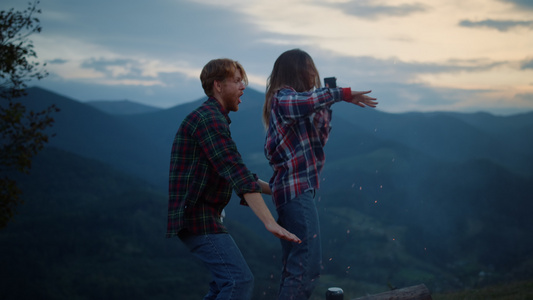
[294,105]
[214,137]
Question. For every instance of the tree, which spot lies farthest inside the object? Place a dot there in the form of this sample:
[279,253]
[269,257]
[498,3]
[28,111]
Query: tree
[22,133]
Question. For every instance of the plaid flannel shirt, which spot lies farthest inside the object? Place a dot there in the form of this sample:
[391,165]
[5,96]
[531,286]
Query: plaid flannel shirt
[204,168]
[298,131]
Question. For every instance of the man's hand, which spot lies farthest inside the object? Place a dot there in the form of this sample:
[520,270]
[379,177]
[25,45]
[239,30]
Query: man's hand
[258,206]
[282,233]
[360,98]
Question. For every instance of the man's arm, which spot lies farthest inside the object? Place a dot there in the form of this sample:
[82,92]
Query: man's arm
[258,206]
[265,188]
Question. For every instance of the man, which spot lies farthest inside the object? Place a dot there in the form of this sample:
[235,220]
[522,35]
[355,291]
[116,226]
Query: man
[204,168]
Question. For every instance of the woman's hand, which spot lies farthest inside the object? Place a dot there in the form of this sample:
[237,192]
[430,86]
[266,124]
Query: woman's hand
[361,99]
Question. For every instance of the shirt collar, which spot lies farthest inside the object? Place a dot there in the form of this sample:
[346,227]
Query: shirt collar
[213,101]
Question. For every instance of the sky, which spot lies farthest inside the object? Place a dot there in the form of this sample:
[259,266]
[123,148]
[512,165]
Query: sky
[439,55]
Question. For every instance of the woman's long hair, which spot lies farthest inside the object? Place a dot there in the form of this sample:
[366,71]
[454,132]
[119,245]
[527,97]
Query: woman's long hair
[294,68]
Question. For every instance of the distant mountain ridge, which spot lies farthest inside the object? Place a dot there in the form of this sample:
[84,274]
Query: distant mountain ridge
[435,198]
[445,136]
[122,107]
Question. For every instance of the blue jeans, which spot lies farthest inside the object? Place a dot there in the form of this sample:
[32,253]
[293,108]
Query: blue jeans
[231,276]
[301,262]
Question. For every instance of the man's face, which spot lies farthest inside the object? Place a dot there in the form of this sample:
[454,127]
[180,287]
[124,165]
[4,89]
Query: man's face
[232,90]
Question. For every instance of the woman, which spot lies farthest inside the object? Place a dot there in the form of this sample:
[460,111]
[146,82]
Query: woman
[297,116]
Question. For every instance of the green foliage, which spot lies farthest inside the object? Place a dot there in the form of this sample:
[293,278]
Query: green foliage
[90,232]
[9,198]
[21,131]
[16,50]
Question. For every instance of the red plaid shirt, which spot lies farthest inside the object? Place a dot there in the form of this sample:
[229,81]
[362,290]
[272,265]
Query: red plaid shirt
[298,131]
[204,168]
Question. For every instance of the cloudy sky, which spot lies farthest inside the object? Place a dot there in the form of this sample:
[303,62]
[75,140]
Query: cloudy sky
[452,55]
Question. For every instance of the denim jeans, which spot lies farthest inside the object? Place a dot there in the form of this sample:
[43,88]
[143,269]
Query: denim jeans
[301,262]
[231,276]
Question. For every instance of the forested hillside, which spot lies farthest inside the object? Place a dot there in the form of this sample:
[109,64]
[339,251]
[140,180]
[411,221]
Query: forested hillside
[436,198]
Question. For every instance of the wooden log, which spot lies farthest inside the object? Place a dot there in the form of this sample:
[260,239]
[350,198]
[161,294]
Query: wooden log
[416,292]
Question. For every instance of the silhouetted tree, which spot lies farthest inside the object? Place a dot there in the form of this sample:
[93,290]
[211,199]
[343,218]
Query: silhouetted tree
[21,132]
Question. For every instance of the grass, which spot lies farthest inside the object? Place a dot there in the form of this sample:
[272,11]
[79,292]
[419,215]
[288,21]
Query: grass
[522,290]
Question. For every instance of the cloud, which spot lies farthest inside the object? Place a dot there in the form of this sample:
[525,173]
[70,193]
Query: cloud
[527,65]
[450,66]
[369,70]
[412,53]
[367,9]
[57,61]
[500,25]
[116,68]
[175,89]
[524,4]
[173,30]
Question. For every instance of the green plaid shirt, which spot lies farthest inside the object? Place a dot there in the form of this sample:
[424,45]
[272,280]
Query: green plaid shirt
[204,168]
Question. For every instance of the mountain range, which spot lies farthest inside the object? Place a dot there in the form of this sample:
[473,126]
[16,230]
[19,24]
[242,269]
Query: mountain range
[121,107]
[438,198]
